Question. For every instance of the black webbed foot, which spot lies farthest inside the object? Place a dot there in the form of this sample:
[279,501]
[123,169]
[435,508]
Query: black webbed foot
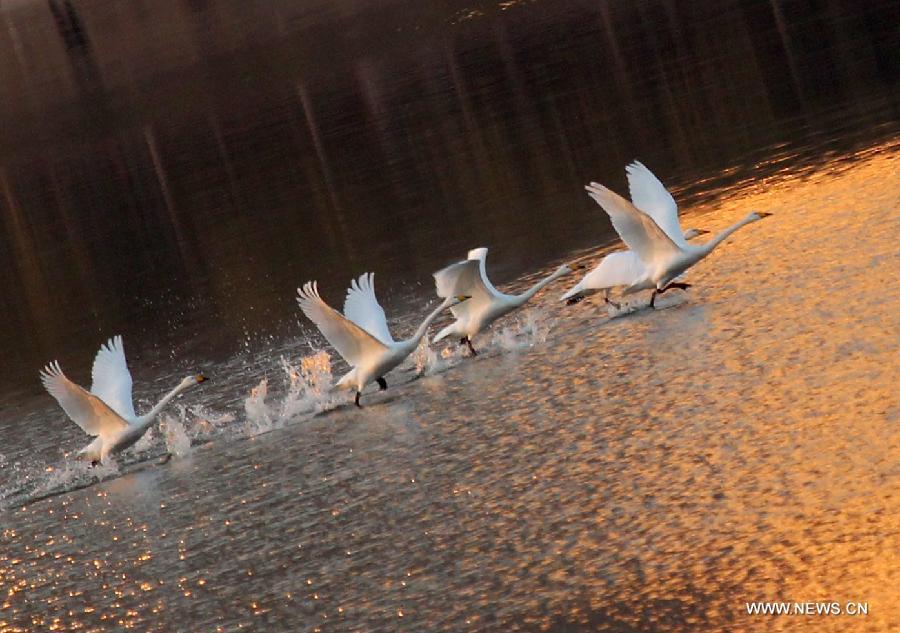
[573,300]
[617,306]
[382,383]
[468,342]
[356,400]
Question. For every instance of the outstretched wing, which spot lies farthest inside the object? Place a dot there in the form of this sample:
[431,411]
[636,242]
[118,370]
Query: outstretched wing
[111,378]
[638,230]
[352,342]
[363,308]
[85,409]
[463,279]
[480,255]
[650,196]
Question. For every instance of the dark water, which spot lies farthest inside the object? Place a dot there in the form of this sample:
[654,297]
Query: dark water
[173,170]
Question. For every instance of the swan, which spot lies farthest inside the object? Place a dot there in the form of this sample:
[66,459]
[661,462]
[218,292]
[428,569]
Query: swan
[623,268]
[620,268]
[361,335]
[487,304]
[656,237]
[107,410]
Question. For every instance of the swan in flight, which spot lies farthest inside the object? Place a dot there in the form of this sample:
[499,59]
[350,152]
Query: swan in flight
[620,268]
[649,227]
[487,304]
[624,268]
[106,411]
[361,335]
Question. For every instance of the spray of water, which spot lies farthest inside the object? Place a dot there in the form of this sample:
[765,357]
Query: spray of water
[308,392]
[427,361]
[530,328]
[178,443]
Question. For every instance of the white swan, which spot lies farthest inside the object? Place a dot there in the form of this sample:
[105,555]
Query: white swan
[361,335]
[620,268]
[658,242]
[624,268]
[106,411]
[487,304]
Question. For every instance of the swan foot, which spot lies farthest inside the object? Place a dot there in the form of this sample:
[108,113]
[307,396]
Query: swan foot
[356,400]
[382,383]
[467,341]
[674,284]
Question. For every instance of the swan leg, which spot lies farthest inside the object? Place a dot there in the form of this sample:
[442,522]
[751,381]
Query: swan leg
[466,340]
[672,284]
[617,306]
[356,400]
[381,383]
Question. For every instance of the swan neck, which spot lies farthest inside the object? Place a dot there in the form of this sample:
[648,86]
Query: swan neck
[536,288]
[420,332]
[724,234]
[147,419]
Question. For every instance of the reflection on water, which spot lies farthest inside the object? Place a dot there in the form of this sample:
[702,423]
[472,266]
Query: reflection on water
[172,171]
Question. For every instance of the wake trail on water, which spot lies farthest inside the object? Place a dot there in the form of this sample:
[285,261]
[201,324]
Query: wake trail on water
[305,390]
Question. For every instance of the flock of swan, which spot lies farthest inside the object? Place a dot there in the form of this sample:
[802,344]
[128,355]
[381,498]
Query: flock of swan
[659,253]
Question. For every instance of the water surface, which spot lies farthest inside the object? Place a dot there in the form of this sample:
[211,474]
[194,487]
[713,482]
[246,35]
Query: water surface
[172,171]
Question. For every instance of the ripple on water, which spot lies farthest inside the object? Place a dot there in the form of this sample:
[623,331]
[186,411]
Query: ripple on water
[638,474]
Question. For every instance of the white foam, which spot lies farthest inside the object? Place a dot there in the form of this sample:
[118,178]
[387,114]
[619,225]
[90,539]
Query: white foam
[309,391]
[178,443]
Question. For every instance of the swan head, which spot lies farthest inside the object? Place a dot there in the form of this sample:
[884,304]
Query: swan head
[568,268]
[459,299]
[758,215]
[190,381]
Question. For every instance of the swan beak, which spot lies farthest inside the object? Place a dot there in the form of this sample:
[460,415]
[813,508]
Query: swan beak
[576,266]
[703,232]
[462,298]
[200,378]
[763,214]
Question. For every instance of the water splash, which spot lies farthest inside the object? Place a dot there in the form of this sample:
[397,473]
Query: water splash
[309,388]
[427,361]
[530,328]
[309,391]
[202,423]
[259,416]
[178,443]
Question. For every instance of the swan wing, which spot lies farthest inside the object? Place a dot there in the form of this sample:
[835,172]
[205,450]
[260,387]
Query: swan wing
[463,278]
[352,342]
[622,268]
[362,307]
[637,229]
[480,255]
[111,380]
[650,196]
[85,409]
